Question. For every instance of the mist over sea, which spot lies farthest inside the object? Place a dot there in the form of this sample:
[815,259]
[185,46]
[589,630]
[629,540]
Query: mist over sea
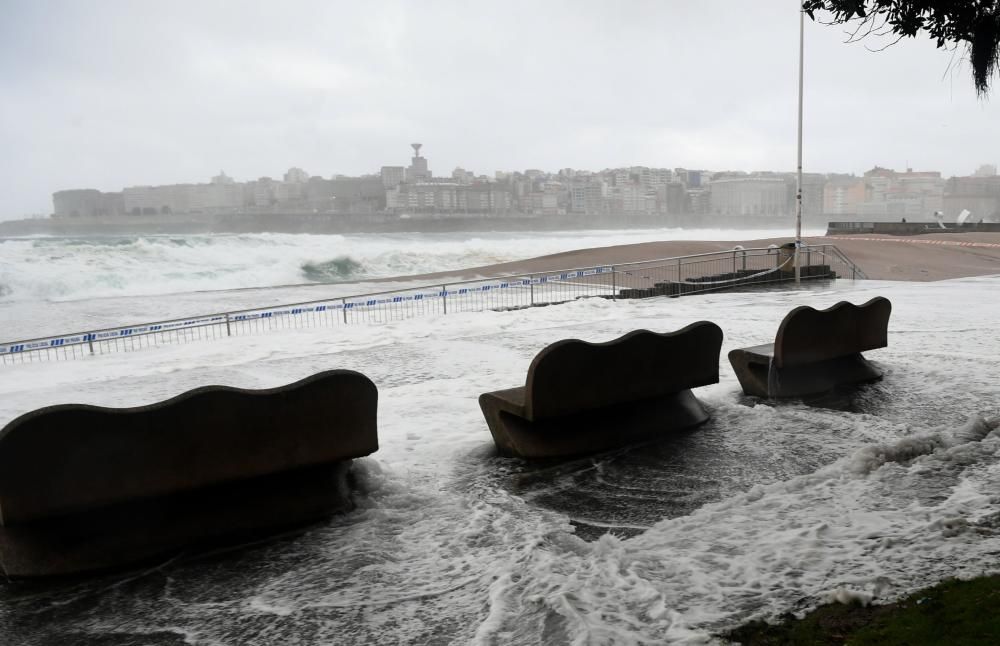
[55,268]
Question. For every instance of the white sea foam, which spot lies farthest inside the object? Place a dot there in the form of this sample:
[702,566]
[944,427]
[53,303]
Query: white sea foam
[763,511]
[62,268]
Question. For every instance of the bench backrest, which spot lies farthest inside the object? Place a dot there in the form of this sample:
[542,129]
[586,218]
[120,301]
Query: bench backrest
[808,335]
[72,458]
[573,376]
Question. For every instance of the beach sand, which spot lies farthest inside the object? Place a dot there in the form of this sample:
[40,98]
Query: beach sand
[882,257]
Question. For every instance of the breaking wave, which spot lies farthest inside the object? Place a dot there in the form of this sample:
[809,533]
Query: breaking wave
[74,268]
[340,268]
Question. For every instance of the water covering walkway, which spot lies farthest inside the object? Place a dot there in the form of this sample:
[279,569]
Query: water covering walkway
[658,277]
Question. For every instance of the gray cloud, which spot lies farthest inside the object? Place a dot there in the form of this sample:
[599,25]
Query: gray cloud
[113,94]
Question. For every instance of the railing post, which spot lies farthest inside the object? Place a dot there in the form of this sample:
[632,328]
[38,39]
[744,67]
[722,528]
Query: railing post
[90,343]
[678,270]
[531,288]
[343,308]
[228,331]
[734,261]
[614,285]
[444,297]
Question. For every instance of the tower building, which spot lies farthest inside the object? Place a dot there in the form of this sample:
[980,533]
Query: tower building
[417,171]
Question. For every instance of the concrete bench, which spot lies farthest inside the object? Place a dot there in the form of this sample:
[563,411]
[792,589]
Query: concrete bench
[85,487]
[581,397]
[815,351]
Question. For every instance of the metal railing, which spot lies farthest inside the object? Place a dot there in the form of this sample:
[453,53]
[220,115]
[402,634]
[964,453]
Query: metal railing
[665,276]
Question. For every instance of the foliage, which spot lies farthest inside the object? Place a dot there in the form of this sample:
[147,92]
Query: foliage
[972,23]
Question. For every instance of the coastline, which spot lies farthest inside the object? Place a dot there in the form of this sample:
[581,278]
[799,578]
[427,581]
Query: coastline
[359,223]
[893,258]
[922,258]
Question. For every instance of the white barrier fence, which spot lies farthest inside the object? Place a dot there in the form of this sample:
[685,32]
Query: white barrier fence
[693,273]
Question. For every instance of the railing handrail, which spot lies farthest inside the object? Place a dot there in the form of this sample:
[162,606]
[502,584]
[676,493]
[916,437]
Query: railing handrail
[847,261]
[214,317]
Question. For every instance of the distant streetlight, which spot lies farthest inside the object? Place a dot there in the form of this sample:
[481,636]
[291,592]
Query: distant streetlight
[798,191]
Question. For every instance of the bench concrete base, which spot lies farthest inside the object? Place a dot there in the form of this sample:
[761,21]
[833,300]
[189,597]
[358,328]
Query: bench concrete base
[759,377]
[591,431]
[161,527]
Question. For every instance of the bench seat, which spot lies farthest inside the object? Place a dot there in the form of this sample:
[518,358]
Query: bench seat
[760,353]
[815,351]
[85,488]
[582,398]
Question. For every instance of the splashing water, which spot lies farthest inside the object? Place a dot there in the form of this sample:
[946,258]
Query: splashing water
[53,268]
[766,509]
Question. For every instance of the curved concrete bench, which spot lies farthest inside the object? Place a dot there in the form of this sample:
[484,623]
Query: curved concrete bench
[815,351]
[584,397]
[86,487]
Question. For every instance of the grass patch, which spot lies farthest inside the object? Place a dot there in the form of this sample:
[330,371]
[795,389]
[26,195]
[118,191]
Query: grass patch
[952,612]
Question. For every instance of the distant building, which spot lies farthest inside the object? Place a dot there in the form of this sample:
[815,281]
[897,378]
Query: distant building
[222,178]
[417,171]
[749,196]
[86,203]
[978,194]
[690,178]
[392,176]
[587,196]
[842,195]
[262,193]
[462,176]
[358,194]
[289,195]
[216,196]
[636,198]
[595,196]
[296,176]
[698,201]
[890,194]
[672,199]
[152,200]
[449,197]
[318,195]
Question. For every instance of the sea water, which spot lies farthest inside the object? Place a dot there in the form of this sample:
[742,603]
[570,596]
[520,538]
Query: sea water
[52,285]
[75,268]
[766,509]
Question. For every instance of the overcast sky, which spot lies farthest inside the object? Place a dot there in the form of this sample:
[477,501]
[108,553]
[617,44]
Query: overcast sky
[111,94]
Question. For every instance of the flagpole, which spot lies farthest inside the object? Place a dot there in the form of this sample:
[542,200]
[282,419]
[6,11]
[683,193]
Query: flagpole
[798,192]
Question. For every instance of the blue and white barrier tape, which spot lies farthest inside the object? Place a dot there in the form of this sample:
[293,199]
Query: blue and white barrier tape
[220,319]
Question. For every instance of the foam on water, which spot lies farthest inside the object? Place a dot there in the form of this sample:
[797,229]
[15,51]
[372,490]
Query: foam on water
[765,510]
[71,268]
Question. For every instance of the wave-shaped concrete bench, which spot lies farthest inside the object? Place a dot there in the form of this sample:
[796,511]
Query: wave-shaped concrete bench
[815,351]
[86,487]
[584,397]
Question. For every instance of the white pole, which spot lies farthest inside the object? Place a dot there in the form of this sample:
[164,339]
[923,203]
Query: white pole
[798,192]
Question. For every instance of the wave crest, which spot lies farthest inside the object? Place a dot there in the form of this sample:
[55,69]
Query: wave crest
[339,268]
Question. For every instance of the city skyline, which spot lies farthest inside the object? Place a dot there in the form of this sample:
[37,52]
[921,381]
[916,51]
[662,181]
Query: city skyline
[118,95]
[628,191]
[492,173]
